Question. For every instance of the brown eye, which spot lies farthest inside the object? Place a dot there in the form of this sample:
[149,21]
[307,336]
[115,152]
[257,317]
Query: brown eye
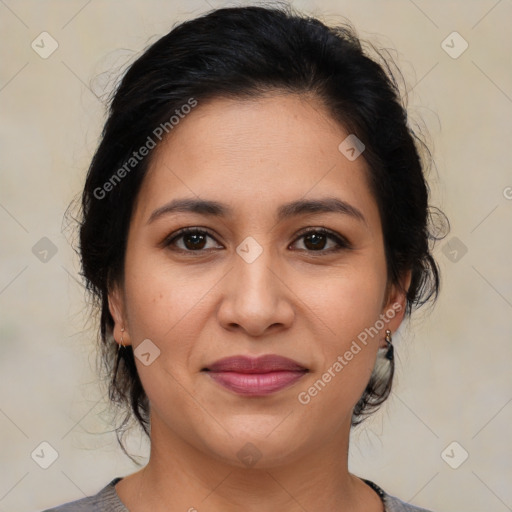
[194,241]
[318,240]
[315,241]
[189,240]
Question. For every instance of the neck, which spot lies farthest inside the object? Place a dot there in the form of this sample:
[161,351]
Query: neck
[180,477]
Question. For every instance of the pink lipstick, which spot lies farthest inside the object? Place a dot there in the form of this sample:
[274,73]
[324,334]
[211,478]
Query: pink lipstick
[255,376]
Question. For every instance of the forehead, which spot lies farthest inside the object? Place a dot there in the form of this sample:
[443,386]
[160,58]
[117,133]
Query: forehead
[255,153]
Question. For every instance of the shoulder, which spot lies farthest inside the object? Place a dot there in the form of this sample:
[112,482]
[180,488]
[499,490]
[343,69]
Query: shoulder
[393,504]
[106,500]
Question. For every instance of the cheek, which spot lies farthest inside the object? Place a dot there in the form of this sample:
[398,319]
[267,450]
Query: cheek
[162,307]
[351,300]
[349,305]
[161,297]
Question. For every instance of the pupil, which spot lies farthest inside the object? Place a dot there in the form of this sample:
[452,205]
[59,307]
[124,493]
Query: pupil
[318,240]
[197,238]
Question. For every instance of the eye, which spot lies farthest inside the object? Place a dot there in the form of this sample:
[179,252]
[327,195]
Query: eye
[316,240]
[192,239]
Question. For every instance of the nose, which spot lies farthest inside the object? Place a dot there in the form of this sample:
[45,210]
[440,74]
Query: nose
[256,297]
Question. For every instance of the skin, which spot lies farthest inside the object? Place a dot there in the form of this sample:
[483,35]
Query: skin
[295,301]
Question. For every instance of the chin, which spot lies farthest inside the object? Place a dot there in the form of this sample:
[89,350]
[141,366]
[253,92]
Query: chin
[258,445]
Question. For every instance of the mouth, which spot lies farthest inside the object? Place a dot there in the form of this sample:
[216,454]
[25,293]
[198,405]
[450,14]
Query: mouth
[259,376]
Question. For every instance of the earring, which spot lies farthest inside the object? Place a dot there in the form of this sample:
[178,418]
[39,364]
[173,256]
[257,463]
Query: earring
[122,341]
[390,351]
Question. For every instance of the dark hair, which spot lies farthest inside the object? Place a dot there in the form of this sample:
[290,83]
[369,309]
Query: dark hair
[246,52]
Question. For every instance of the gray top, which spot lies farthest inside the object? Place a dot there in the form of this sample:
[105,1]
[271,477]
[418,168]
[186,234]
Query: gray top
[107,500]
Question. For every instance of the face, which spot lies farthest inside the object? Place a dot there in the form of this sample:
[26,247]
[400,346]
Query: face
[264,272]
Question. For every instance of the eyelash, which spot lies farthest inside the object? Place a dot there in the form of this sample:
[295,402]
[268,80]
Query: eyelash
[342,242]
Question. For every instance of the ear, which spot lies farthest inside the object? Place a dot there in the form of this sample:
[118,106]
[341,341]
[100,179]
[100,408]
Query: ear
[116,307]
[395,303]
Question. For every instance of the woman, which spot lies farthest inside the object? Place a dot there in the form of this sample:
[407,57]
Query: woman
[255,227]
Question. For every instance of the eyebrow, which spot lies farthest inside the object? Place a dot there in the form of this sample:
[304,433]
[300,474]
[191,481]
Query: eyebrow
[285,211]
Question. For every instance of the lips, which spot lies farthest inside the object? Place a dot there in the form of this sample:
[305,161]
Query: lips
[255,376]
[262,364]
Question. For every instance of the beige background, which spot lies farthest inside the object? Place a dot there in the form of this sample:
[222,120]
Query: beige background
[454,378]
